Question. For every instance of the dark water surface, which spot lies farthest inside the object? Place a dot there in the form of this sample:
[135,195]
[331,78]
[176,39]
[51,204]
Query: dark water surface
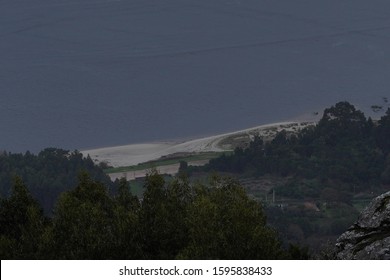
[88,73]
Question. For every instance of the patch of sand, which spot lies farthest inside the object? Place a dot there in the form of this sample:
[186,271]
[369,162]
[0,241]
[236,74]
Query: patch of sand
[139,153]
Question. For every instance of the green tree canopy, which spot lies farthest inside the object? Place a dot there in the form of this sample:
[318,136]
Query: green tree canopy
[83,225]
[224,223]
[22,223]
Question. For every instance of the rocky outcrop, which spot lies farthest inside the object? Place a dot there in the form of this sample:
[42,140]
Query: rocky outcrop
[369,237]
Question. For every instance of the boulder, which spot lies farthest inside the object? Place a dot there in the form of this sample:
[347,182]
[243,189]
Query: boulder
[369,237]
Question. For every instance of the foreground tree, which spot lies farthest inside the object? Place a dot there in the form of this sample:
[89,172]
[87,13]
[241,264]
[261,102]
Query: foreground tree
[22,224]
[83,223]
[154,219]
[197,221]
[224,223]
[174,220]
[126,224]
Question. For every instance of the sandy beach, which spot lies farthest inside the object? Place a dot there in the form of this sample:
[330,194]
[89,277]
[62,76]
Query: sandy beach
[134,154]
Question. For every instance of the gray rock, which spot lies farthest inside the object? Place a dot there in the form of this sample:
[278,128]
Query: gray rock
[369,237]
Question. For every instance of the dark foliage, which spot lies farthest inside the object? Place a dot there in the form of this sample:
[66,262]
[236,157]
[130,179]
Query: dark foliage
[47,174]
[330,170]
[173,221]
[344,149]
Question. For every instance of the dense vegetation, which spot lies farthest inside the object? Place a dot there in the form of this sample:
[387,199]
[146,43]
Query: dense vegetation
[47,174]
[322,176]
[344,147]
[173,221]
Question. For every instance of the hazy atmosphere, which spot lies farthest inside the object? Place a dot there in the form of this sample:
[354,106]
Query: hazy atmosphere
[80,74]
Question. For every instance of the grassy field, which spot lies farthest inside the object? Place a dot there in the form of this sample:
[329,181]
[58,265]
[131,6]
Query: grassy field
[168,160]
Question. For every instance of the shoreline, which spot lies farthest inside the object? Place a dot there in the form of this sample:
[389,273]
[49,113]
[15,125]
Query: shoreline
[133,154]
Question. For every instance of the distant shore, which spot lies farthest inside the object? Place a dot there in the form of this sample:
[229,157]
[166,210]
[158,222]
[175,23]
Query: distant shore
[133,154]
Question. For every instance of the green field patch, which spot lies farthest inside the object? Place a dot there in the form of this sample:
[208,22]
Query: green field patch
[166,160]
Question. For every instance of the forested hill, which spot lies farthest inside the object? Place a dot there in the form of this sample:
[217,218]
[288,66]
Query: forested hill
[47,174]
[314,183]
[344,148]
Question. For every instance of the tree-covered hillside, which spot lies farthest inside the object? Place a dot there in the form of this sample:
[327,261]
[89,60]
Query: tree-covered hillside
[344,148]
[47,174]
[315,182]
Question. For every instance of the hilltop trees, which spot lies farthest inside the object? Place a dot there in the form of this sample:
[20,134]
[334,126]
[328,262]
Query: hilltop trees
[344,147]
[174,220]
[47,174]
[342,122]
[335,165]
